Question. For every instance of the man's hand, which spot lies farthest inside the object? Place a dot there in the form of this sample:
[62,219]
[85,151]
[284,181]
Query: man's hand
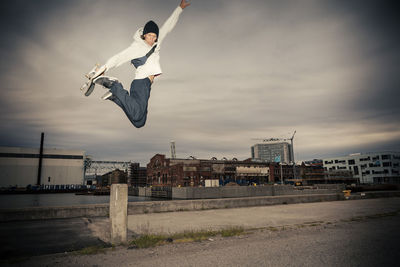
[184,4]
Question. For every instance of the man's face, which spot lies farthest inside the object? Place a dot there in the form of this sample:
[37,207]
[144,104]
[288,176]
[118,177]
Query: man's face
[150,38]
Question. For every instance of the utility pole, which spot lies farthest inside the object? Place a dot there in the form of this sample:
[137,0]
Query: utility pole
[294,162]
[40,160]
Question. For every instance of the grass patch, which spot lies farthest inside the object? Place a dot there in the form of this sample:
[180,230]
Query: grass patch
[274,229]
[233,231]
[316,222]
[147,241]
[194,236]
[91,250]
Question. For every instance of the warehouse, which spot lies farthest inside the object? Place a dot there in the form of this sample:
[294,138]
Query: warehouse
[19,167]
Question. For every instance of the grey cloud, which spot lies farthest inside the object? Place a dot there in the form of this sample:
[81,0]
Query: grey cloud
[233,70]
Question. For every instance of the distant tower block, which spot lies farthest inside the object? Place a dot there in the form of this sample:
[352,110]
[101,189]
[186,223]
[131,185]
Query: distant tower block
[173,153]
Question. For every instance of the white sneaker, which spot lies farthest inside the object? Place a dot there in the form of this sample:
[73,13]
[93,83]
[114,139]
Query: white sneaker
[88,87]
[91,73]
[107,96]
[99,71]
[105,81]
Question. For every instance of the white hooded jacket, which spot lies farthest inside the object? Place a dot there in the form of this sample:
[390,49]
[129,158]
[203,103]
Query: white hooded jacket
[139,48]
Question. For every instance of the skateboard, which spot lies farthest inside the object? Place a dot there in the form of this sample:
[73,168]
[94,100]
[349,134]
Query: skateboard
[88,87]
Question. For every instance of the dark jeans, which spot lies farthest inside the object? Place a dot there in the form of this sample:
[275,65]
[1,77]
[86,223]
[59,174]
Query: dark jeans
[135,103]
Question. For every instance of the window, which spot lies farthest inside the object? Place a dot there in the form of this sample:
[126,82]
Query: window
[352,162]
[375,164]
[387,164]
[365,159]
[356,170]
[386,157]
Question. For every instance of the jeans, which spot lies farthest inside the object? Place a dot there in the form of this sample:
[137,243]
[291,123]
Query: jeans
[135,103]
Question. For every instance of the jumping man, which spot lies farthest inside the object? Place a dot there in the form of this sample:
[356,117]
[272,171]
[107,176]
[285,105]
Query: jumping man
[144,54]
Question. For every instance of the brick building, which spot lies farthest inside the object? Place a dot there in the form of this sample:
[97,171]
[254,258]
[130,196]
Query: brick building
[162,171]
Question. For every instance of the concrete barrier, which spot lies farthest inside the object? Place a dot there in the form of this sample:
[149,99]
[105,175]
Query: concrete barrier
[41,213]
[250,191]
[118,213]
[102,210]
[224,203]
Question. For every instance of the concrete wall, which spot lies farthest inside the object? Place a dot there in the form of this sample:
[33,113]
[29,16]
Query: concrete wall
[178,205]
[40,213]
[249,191]
[144,192]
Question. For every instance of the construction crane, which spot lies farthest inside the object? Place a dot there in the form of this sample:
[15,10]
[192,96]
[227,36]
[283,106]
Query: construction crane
[173,153]
[282,139]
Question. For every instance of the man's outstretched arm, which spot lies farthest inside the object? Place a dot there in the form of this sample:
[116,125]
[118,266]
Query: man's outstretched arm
[170,23]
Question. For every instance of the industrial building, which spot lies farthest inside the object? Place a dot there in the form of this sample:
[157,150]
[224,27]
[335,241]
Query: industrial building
[379,168]
[20,167]
[162,171]
[272,152]
[138,175]
[94,169]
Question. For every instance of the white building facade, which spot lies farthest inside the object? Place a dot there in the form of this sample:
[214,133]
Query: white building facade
[19,167]
[272,152]
[380,167]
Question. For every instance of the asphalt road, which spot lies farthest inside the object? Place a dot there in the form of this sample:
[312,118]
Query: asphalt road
[368,242]
[31,238]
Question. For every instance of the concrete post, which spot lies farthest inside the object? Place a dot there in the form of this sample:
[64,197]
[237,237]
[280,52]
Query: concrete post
[119,213]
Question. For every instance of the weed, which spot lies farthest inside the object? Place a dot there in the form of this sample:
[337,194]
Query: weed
[91,250]
[194,236]
[146,241]
[233,231]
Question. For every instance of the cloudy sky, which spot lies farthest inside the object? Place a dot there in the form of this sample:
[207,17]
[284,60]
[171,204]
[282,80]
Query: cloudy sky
[232,71]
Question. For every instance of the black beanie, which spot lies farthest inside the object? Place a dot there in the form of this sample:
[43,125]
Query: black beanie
[150,26]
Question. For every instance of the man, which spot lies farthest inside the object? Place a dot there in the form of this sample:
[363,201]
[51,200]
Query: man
[144,55]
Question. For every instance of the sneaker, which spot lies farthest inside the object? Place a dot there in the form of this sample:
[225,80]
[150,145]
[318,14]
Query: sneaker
[107,96]
[99,71]
[90,89]
[91,73]
[87,88]
[105,81]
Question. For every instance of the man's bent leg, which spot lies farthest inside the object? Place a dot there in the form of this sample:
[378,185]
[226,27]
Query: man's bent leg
[135,104]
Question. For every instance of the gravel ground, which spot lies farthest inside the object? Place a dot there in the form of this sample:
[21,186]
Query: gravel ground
[368,241]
